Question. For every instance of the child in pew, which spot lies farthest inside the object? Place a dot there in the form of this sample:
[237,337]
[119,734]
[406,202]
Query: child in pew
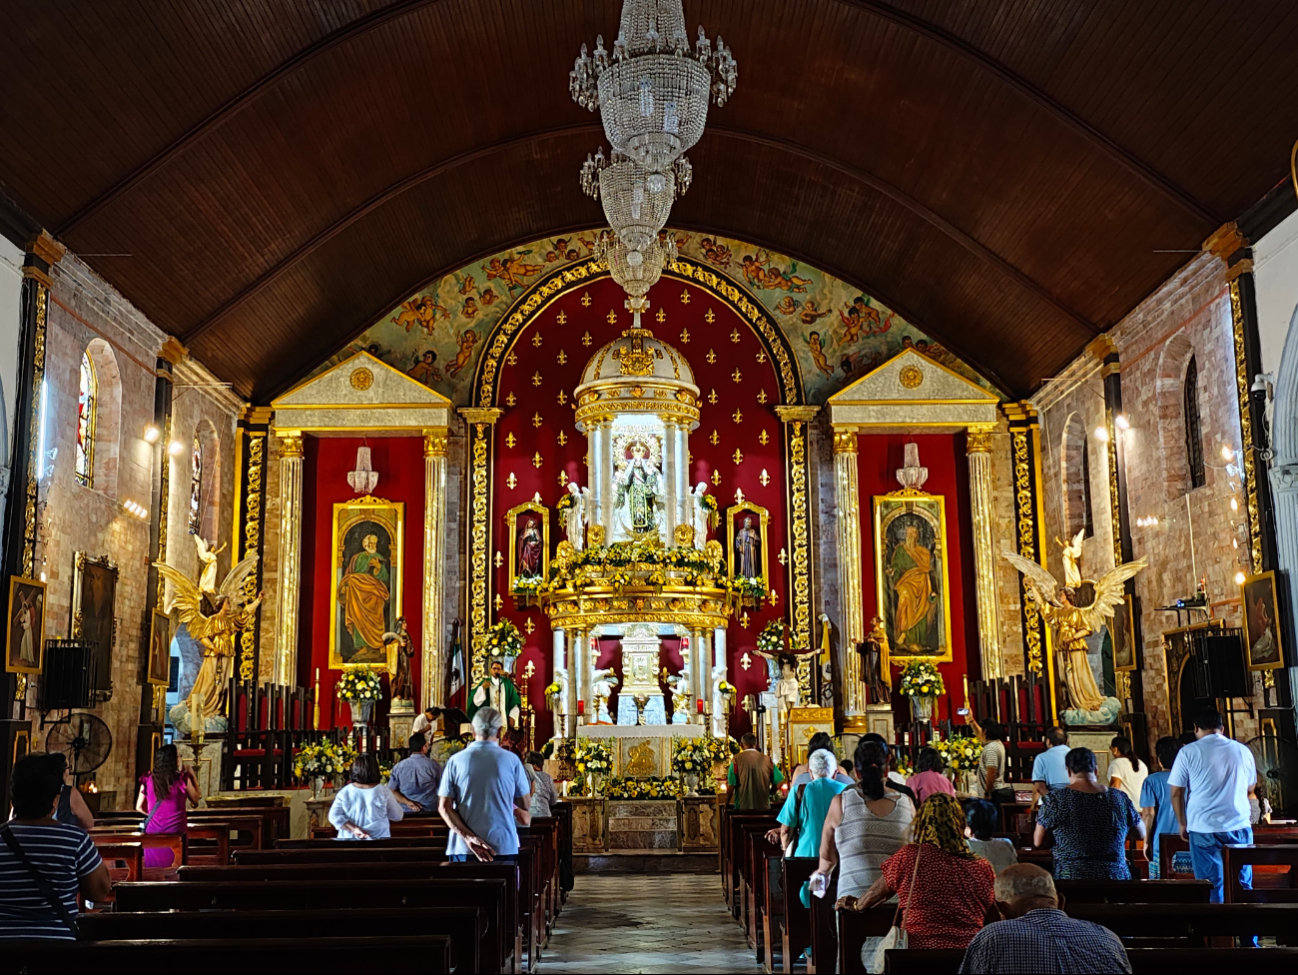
[364,809]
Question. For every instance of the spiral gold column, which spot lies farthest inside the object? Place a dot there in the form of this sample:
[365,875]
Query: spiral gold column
[979,446]
[432,685]
[290,558]
[852,599]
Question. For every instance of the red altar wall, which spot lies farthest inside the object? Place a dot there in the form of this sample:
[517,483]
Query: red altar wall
[878,458]
[537,380]
[400,464]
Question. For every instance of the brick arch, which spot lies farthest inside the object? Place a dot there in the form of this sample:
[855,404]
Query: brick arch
[1072,466]
[1172,363]
[108,417]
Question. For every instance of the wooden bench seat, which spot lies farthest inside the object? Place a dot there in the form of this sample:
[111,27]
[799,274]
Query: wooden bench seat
[1154,961]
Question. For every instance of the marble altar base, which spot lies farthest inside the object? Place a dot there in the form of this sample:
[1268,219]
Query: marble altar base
[642,824]
[655,760]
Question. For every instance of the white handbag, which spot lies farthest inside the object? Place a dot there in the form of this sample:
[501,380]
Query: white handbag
[896,936]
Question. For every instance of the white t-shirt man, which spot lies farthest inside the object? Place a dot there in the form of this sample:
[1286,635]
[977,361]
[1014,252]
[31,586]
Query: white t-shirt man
[1217,773]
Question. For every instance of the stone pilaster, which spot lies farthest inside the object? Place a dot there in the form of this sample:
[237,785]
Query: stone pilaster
[851,612]
[433,684]
[979,447]
[290,557]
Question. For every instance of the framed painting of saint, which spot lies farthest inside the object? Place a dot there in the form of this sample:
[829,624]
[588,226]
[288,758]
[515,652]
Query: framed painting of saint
[25,636]
[365,584]
[94,598]
[159,670]
[1122,631]
[911,578]
[529,546]
[1261,622]
[747,551]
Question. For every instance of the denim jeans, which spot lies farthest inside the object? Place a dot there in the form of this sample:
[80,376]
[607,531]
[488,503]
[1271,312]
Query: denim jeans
[470,858]
[1205,854]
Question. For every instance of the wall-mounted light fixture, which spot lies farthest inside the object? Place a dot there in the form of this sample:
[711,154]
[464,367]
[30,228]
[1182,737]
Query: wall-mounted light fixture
[151,434]
[136,509]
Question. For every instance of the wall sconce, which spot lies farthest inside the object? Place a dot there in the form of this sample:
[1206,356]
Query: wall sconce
[1239,578]
[175,447]
[1102,434]
[151,434]
[136,509]
[1121,422]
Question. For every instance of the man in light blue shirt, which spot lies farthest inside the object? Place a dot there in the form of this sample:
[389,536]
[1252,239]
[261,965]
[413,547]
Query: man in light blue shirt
[484,794]
[1048,771]
[1219,774]
[413,780]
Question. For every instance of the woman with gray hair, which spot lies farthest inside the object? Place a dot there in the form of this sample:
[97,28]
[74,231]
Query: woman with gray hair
[803,815]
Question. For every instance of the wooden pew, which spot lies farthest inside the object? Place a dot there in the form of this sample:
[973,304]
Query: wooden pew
[768,898]
[749,837]
[1169,844]
[824,930]
[1144,961]
[497,897]
[1134,891]
[275,818]
[853,928]
[795,925]
[1190,925]
[465,926]
[1277,886]
[732,853]
[106,839]
[430,953]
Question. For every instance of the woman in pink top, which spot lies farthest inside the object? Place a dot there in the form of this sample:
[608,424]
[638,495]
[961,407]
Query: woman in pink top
[928,778]
[165,795]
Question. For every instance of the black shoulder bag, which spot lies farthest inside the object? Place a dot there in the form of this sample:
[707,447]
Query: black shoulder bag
[43,885]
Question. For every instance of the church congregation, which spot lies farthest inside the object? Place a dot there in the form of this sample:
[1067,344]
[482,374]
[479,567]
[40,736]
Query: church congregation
[477,477]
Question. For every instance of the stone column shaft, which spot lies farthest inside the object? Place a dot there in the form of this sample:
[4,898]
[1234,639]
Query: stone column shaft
[290,558]
[670,508]
[432,685]
[579,673]
[852,606]
[980,499]
[720,719]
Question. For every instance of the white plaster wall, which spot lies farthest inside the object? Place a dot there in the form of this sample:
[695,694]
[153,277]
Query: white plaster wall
[1275,278]
[11,287]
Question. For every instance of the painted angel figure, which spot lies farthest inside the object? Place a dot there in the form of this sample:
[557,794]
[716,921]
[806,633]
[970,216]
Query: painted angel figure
[1071,553]
[602,682]
[210,622]
[1073,624]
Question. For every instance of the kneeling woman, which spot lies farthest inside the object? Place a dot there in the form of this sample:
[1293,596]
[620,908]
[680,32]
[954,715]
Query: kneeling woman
[364,809]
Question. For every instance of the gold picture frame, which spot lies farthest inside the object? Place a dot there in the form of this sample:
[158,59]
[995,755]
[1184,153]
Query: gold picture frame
[1122,630]
[1260,605]
[94,618]
[763,516]
[26,623]
[368,556]
[894,514]
[513,518]
[157,668]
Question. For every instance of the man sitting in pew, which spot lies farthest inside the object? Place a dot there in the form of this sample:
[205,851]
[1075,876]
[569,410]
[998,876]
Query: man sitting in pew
[1036,935]
[44,863]
[484,795]
[413,780]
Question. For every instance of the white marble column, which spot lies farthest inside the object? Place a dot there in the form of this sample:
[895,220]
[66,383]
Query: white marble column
[720,717]
[684,516]
[432,686]
[559,647]
[671,466]
[982,514]
[595,473]
[851,607]
[606,477]
[579,674]
[289,562]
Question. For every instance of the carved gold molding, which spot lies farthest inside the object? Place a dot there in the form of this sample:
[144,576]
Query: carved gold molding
[845,440]
[33,432]
[979,440]
[1026,458]
[1242,388]
[436,441]
[247,540]
[799,517]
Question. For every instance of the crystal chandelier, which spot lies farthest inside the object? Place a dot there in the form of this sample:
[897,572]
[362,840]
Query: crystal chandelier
[636,203]
[653,92]
[636,270]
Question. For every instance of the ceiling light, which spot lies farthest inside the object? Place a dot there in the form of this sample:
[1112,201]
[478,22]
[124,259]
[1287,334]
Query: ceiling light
[175,447]
[151,434]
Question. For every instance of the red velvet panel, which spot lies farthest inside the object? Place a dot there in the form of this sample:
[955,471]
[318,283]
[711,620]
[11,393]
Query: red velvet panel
[538,377]
[879,456]
[400,463]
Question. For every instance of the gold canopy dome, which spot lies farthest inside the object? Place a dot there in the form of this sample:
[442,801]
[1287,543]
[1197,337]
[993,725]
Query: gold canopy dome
[637,373]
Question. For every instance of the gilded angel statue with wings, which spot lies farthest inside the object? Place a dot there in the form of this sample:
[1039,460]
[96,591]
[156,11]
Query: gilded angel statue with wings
[211,618]
[1073,624]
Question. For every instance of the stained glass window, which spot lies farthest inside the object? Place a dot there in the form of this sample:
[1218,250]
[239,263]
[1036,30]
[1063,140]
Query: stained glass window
[1193,427]
[87,400]
[196,488]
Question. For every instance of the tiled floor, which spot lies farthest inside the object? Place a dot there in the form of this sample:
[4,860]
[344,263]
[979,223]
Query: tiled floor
[647,923]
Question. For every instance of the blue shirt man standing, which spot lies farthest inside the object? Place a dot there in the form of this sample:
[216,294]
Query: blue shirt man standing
[413,780]
[1219,775]
[484,794]
[1156,802]
[1048,771]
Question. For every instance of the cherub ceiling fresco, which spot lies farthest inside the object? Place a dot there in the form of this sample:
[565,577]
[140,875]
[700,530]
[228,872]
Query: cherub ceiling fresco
[837,332]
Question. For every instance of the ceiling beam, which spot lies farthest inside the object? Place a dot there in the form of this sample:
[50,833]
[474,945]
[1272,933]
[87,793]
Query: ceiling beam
[204,127]
[881,186]
[1117,153]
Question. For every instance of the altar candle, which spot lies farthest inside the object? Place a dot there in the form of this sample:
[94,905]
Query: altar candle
[581,707]
[700,704]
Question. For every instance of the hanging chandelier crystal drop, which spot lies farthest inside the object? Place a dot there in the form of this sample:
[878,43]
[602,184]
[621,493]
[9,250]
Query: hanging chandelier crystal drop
[636,203]
[653,92]
[636,270]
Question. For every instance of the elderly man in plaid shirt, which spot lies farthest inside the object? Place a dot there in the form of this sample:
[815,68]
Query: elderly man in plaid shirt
[1036,935]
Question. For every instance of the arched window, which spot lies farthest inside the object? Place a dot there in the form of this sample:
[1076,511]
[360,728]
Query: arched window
[1193,428]
[1088,519]
[1075,478]
[196,488]
[87,403]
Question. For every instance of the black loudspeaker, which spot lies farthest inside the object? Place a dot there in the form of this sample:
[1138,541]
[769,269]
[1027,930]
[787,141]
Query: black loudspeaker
[69,679]
[1221,671]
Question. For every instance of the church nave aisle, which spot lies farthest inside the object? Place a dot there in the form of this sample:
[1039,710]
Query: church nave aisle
[646,923]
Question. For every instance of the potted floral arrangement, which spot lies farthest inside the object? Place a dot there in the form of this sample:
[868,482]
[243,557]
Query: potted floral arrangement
[650,788]
[709,503]
[594,760]
[502,640]
[751,590]
[327,758]
[961,757]
[360,687]
[691,758]
[771,639]
[552,692]
[922,683]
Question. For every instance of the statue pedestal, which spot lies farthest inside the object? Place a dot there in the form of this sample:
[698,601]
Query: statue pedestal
[401,718]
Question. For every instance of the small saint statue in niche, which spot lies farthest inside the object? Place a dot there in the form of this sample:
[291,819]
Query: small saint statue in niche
[874,652]
[602,683]
[574,517]
[639,490]
[748,550]
[530,551]
[398,642]
[679,685]
[700,515]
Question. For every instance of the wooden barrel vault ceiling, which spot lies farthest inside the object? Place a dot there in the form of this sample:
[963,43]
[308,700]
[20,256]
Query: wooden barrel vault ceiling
[265,179]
